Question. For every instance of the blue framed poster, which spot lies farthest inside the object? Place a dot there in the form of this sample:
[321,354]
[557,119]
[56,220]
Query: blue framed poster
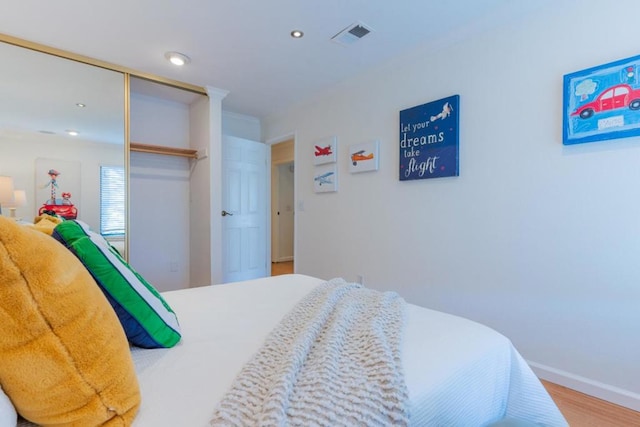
[602,102]
[429,139]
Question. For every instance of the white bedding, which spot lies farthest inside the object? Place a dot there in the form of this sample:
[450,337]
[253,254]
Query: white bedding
[458,373]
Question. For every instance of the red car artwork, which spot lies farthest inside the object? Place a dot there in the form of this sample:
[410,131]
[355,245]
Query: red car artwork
[618,96]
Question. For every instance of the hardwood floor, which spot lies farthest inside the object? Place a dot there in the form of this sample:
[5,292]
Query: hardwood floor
[582,410]
[579,409]
[278,268]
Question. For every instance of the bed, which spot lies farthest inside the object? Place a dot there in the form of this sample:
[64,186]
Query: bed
[458,372]
[61,343]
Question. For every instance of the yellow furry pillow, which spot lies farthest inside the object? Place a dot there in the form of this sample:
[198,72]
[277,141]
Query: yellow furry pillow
[46,223]
[64,358]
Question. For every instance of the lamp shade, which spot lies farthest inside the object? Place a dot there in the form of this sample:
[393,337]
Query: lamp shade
[19,199]
[6,190]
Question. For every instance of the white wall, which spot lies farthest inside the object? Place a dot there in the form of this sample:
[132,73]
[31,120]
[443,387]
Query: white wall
[240,125]
[20,151]
[535,239]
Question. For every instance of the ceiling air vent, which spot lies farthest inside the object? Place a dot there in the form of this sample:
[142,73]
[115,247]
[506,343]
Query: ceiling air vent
[351,34]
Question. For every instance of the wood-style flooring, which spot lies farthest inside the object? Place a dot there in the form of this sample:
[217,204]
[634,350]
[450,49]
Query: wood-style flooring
[582,410]
[579,409]
[278,268]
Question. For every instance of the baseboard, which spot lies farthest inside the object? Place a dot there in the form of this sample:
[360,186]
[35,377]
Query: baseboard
[584,385]
[283,259]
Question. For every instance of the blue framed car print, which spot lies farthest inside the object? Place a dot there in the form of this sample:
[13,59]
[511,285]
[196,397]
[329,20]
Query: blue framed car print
[602,102]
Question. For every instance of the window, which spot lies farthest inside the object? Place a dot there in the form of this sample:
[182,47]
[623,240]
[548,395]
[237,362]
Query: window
[607,95]
[112,200]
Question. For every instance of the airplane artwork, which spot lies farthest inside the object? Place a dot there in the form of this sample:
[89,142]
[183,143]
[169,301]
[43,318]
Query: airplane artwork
[323,151]
[364,156]
[359,156]
[325,178]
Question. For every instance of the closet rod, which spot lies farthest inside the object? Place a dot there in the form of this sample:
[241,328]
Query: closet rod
[159,149]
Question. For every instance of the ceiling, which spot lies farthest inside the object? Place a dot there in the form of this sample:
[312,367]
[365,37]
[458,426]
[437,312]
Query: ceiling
[245,47]
[41,93]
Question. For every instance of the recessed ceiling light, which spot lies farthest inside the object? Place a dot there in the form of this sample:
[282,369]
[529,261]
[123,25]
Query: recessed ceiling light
[296,34]
[80,105]
[72,132]
[177,58]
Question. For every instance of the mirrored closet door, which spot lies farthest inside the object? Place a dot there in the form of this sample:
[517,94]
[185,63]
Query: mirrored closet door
[68,135]
[62,139]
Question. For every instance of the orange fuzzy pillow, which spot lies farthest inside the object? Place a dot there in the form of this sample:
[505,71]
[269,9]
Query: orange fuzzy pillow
[64,358]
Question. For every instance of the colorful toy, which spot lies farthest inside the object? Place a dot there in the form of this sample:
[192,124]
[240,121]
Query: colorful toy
[63,208]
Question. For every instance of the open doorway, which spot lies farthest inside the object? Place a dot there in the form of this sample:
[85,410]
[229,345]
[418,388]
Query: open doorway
[282,207]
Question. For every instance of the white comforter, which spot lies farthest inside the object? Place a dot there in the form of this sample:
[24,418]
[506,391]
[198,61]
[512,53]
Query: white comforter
[459,373]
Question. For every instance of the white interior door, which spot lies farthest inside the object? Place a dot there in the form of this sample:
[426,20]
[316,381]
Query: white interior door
[285,212]
[245,187]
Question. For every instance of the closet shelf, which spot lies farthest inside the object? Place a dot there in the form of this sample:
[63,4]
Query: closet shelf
[159,149]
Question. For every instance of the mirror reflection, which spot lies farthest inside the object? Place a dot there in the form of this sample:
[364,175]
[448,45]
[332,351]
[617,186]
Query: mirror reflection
[62,139]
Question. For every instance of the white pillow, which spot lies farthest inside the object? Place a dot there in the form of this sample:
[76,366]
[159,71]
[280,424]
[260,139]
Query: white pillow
[8,416]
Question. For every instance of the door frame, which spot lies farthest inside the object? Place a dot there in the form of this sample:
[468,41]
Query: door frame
[276,256]
[270,143]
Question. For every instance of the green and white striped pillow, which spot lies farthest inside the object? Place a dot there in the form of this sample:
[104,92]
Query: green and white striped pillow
[147,319]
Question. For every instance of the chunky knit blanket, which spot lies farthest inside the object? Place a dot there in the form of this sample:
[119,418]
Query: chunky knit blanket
[334,360]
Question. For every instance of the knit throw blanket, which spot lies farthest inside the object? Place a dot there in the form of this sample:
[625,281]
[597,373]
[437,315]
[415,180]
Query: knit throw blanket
[334,360]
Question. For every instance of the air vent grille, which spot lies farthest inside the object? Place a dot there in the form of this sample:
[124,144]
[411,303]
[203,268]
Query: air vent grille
[359,31]
[351,34]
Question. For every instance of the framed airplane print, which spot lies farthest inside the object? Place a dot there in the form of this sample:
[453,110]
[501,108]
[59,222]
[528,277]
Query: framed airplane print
[325,150]
[325,178]
[363,157]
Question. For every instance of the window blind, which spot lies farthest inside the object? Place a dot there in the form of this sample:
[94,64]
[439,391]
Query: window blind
[112,201]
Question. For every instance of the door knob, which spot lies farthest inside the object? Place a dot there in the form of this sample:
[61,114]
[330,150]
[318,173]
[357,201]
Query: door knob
[225,213]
